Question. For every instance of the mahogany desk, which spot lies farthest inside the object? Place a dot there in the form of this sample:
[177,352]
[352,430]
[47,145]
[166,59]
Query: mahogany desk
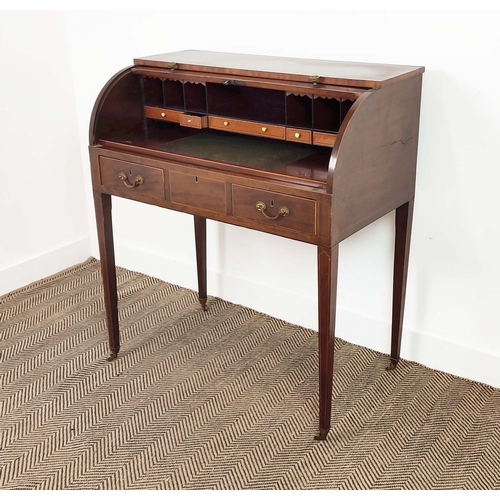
[305,149]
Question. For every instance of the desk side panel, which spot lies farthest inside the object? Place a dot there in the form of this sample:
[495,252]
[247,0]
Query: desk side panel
[373,165]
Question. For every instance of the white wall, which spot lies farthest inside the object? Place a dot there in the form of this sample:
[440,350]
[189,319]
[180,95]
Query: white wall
[452,319]
[42,196]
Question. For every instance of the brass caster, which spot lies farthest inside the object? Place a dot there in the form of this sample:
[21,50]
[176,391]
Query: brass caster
[392,366]
[203,303]
[321,435]
[112,356]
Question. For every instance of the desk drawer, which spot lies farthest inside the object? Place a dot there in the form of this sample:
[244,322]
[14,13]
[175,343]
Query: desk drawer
[132,178]
[324,139]
[197,191]
[193,121]
[169,115]
[298,135]
[277,209]
[247,127]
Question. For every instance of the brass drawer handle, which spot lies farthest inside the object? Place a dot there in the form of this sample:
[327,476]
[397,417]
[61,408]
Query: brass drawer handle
[261,207]
[138,180]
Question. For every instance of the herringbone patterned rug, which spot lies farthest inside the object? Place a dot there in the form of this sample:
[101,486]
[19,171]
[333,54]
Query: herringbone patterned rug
[223,399]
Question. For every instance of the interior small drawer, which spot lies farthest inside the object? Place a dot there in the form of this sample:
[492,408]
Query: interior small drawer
[193,121]
[279,209]
[169,115]
[247,127]
[131,178]
[299,135]
[197,191]
[324,139]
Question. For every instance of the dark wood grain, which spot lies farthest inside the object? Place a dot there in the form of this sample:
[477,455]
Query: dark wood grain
[152,178]
[364,169]
[327,307]
[268,83]
[403,219]
[198,191]
[102,204]
[308,172]
[118,107]
[200,233]
[302,212]
[323,201]
[286,68]
[373,165]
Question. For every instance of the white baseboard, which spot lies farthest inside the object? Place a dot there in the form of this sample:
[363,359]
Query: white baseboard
[431,351]
[41,266]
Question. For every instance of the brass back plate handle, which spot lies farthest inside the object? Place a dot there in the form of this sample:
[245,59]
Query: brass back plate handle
[314,79]
[261,207]
[138,180]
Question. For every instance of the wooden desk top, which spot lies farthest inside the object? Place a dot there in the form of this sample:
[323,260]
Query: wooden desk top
[366,75]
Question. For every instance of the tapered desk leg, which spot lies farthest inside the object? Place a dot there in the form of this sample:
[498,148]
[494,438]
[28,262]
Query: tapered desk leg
[404,216]
[108,269]
[200,235]
[327,304]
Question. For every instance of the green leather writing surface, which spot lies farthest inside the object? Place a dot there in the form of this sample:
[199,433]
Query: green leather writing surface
[242,150]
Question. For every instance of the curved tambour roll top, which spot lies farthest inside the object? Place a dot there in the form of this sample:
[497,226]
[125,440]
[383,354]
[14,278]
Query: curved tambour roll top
[118,109]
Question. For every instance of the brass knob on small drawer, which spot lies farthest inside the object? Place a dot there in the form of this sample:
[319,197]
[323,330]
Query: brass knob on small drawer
[189,121]
[163,114]
[264,129]
[226,124]
[138,180]
[297,135]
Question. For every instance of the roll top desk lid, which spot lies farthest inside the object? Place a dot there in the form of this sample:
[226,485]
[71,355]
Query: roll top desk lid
[353,74]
